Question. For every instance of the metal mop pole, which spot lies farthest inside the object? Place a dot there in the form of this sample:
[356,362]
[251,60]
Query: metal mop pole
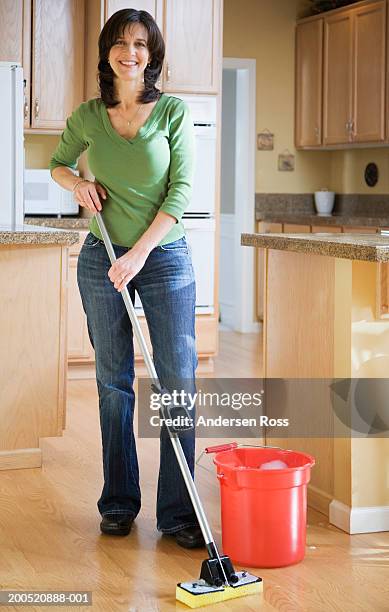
[194,496]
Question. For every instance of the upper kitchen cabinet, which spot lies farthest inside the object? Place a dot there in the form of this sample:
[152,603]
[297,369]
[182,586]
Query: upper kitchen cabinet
[192,33]
[354,64]
[11,28]
[368,118]
[154,7]
[193,46]
[338,78]
[309,78]
[57,61]
[15,41]
[354,75]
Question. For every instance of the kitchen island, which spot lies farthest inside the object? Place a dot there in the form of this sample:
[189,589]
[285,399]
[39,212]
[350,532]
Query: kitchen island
[33,306]
[321,321]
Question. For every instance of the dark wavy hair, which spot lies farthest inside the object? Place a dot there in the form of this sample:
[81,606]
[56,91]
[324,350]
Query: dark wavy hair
[114,29]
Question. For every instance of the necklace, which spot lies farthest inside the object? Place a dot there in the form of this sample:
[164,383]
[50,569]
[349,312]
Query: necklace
[129,121]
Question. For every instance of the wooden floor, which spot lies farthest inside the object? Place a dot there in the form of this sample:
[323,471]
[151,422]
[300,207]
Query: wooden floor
[50,539]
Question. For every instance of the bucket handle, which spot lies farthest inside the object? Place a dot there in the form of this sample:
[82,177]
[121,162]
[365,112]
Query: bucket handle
[219,448]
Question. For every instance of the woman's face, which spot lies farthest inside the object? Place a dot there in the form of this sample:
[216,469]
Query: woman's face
[129,55]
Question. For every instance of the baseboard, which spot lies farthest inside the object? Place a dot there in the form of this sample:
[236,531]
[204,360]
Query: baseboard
[251,328]
[367,519]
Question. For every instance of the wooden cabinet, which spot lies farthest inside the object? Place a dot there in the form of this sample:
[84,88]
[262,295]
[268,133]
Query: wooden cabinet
[47,38]
[382,282]
[33,321]
[154,7]
[57,61]
[193,46]
[354,76]
[193,36]
[79,348]
[294,228]
[309,78]
[11,29]
[338,78]
[368,117]
[326,229]
[15,42]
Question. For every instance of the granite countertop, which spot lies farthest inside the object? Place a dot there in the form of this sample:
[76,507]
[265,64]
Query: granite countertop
[77,223]
[365,247]
[32,234]
[313,219]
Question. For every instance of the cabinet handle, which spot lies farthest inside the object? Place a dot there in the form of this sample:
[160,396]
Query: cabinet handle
[317,132]
[36,108]
[168,72]
[352,132]
[25,108]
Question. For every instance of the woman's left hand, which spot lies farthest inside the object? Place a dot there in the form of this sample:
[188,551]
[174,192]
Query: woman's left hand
[126,267]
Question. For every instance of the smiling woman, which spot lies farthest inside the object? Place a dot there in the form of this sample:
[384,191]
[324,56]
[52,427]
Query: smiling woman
[140,146]
[140,41]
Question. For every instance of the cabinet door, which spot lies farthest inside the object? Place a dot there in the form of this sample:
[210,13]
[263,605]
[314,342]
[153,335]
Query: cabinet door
[58,61]
[326,229]
[309,77]
[369,73]
[154,7]
[15,41]
[11,30]
[293,228]
[79,346]
[338,78]
[192,37]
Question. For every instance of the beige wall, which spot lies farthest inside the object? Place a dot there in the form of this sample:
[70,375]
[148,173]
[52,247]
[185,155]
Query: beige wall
[348,169]
[265,30]
[39,149]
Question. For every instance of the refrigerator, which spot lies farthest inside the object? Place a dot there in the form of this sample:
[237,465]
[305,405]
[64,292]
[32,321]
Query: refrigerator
[11,145]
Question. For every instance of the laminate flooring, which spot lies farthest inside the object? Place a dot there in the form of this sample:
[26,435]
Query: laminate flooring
[50,538]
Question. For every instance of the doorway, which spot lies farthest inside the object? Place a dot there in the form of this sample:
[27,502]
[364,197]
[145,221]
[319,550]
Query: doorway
[237,207]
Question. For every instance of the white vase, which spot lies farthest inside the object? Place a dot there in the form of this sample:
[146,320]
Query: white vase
[324,202]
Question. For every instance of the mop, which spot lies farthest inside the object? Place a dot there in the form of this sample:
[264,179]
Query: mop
[218,579]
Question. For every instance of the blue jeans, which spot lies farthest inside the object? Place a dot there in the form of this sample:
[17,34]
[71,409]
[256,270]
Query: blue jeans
[166,288]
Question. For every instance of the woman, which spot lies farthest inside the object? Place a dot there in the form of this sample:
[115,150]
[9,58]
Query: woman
[141,151]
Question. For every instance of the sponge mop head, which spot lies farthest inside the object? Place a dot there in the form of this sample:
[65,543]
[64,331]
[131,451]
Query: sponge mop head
[204,595]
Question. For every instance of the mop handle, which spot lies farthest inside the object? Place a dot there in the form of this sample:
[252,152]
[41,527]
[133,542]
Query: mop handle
[129,306]
[187,476]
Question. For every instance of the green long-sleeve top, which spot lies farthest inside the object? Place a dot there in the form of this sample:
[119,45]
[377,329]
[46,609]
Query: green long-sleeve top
[146,174]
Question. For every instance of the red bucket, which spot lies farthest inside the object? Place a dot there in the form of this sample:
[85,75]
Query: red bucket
[263,511]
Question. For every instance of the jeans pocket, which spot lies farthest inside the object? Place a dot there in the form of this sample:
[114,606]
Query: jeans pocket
[178,245]
[91,240]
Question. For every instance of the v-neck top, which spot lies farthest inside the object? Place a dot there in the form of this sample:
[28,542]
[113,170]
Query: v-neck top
[151,172]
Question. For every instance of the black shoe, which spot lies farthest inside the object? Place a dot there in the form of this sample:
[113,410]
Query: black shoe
[190,537]
[116,524]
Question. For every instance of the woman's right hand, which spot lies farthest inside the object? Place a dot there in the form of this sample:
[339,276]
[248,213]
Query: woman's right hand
[87,195]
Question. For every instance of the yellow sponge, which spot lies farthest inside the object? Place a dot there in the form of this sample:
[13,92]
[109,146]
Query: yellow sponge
[205,599]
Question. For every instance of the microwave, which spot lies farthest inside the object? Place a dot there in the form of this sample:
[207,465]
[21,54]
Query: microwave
[42,195]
